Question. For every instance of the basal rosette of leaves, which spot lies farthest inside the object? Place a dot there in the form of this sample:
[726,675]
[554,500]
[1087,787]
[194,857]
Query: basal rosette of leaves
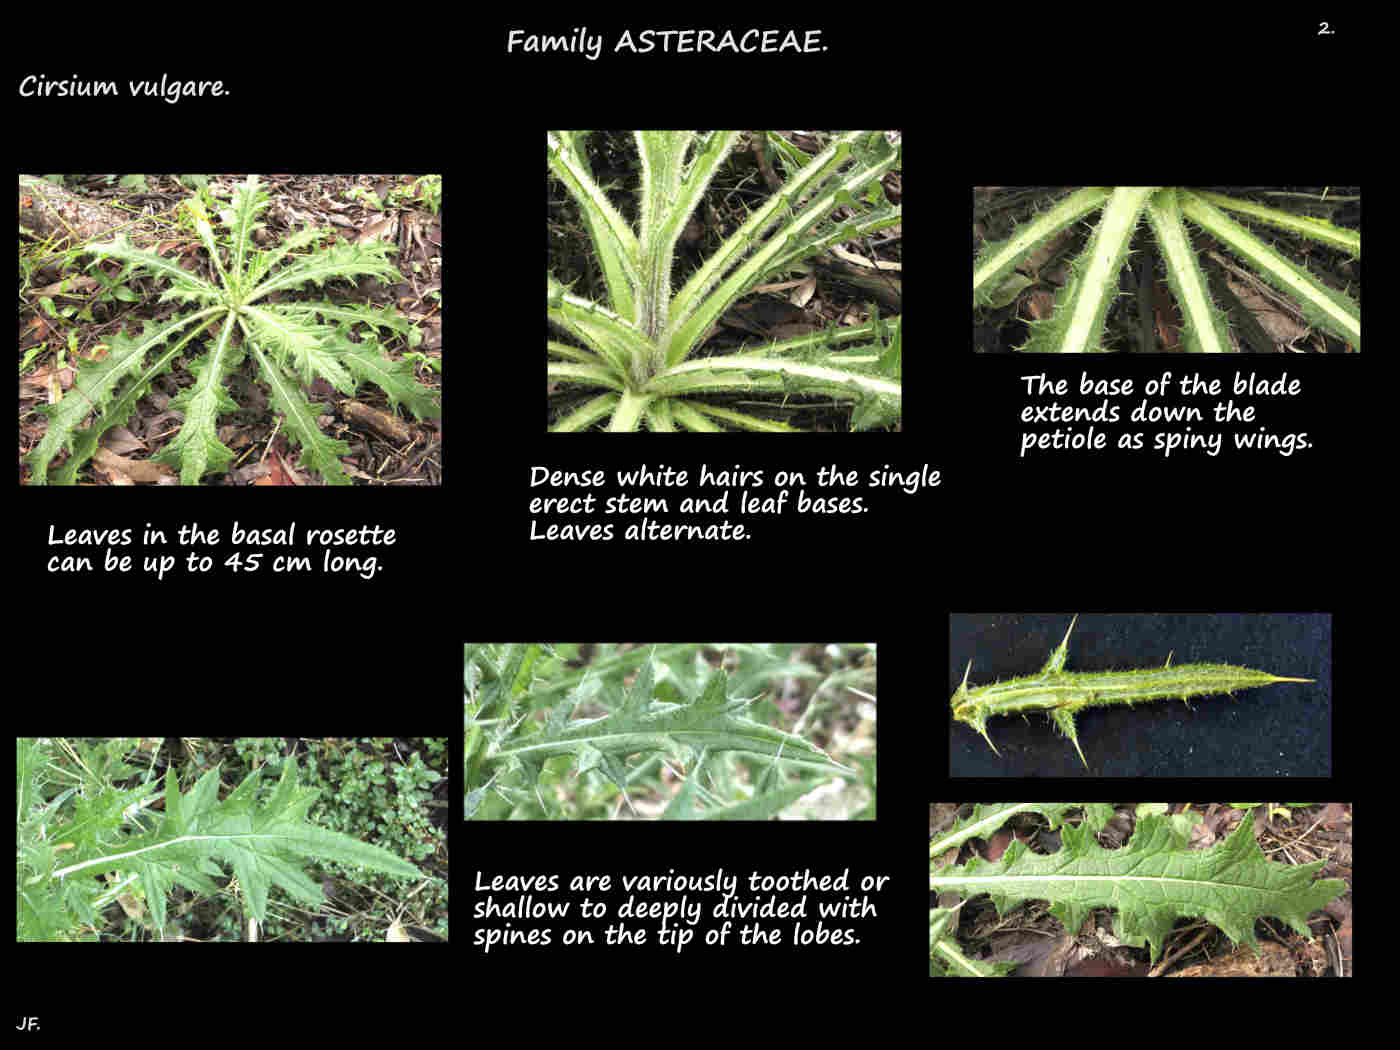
[1077,323]
[75,825]
[292,343]
[677,712]
[639,348]
[1151,881]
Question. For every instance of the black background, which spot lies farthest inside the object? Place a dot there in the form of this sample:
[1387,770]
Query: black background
[1111,534]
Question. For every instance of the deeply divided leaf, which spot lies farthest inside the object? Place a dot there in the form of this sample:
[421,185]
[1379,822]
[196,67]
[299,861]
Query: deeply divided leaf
[1150,882]
[191,844]
[674,711]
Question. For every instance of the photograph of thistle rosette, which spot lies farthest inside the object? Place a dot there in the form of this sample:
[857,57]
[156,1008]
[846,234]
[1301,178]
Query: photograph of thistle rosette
[286,312]
[1166,269]
[1098,694]
[724,280]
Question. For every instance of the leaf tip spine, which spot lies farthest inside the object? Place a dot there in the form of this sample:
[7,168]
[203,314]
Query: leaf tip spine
[983,730]
[1064,719]
[1059,653]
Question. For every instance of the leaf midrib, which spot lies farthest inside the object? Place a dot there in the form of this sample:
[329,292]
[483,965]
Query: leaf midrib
[1045,880]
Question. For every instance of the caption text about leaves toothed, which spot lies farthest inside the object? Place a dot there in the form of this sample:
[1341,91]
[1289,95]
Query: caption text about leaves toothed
[675,910]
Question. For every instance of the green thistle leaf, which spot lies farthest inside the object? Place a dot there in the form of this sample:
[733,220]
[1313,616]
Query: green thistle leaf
[709,723]
[1151,881]
[283,338]
[265,845]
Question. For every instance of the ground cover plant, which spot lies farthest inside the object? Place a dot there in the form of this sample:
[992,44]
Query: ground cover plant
[1141,870]
[636,326]
[680,731]
[135,839]
[247,307]
[1250,294]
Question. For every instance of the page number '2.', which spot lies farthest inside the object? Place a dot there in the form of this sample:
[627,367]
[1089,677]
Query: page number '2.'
[1323,30]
